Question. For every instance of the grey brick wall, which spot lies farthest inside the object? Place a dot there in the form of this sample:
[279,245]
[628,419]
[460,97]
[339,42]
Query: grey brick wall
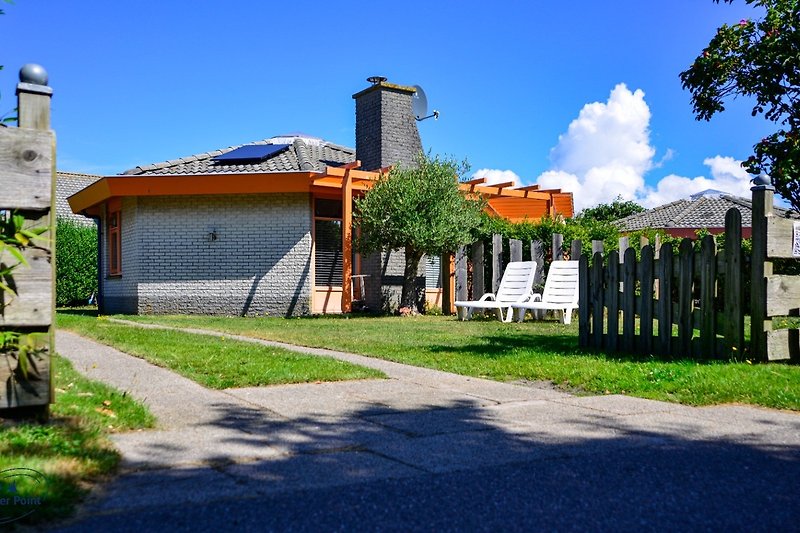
[258,264]
[119,293]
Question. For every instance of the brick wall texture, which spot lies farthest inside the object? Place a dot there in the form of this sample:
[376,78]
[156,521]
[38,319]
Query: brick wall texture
[259,263]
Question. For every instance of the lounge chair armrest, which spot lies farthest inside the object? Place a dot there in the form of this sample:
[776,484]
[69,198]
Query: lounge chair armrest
[487,296]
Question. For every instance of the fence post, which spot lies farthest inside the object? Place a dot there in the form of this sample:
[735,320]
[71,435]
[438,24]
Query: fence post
[516,255]
[575,249]
[28,154]
[597,247]
[760,268]
[478,285]
[584,328]
[537,254]
[497,261]
[446,268]
[558,247]
[461,281]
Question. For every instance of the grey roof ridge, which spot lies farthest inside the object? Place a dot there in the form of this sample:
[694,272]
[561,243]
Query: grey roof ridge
[690,207]
[303,161]
[77,174]
[648,212]
[206,155]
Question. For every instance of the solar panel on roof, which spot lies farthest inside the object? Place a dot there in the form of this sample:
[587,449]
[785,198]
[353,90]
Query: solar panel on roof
[252,152]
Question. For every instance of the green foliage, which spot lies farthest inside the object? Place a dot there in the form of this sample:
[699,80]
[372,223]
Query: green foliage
[76,263]
[616,210]
[758,59]
[418,209]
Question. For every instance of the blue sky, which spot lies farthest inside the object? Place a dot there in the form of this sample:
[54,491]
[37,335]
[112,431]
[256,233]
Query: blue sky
[583,95]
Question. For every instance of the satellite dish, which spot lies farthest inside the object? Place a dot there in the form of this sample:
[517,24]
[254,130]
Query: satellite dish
[419,103]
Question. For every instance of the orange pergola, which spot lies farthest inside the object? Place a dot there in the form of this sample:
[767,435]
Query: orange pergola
[505,200]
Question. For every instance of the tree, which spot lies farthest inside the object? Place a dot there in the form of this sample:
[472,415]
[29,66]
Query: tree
[760,59]
[617,209]
[418,209]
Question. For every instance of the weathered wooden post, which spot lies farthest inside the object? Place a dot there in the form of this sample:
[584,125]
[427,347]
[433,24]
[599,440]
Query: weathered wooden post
[27,187]
[763,197]
[461,281]
[537,254]
[516,255]
[448,283]
[478,285]
[558,247]
[575,249]
[597,247]
[497,261]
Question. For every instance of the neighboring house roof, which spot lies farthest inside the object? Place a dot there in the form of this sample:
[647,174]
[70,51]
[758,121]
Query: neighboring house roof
[67,184]
[304,154]
[701,212]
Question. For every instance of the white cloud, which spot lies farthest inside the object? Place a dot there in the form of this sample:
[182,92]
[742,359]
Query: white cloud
[496,176]
[606,153]
[727,175]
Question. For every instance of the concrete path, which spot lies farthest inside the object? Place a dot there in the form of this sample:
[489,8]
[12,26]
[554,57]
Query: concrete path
[428,450]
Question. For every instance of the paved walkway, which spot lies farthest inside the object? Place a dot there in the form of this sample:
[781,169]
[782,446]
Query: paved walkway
[428,450]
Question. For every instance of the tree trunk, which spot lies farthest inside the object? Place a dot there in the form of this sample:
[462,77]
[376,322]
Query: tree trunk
[409,297]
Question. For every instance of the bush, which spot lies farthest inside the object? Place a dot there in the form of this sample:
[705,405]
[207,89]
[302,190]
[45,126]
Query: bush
[76,263]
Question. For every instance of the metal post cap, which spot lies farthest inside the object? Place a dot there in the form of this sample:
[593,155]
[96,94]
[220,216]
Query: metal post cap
[33,74]
[762,179]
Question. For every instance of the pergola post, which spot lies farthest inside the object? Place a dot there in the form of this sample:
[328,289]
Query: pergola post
[347,238]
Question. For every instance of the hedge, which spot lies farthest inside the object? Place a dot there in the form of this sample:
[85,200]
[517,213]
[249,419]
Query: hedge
[76,263]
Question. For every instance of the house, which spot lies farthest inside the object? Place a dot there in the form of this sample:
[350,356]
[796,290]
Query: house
[264,228]
[703,210]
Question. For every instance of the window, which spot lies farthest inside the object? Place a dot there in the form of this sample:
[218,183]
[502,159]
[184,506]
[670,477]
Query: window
[114,243]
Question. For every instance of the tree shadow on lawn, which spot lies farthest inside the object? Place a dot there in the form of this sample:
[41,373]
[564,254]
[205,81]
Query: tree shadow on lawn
[460,464]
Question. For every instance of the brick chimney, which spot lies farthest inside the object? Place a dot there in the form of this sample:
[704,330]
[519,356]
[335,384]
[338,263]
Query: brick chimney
[386,131]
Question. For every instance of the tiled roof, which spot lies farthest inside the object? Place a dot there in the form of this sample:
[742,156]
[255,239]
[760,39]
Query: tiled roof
[67,184]
[702,212]
[305,154]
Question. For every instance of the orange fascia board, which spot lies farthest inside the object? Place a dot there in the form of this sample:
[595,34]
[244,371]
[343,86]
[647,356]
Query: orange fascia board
[203,184]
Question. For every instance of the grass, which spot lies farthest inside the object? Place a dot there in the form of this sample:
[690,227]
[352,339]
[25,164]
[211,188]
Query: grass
[532,351]
[68,453]
[216,362]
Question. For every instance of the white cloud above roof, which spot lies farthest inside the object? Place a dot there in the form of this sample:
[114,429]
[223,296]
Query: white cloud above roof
[606,152]
[497,176]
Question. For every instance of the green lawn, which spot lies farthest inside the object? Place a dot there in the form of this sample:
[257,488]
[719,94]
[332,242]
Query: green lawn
[532,351]
[71,451]
[216,362]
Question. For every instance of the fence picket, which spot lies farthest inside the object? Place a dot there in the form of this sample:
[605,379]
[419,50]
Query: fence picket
[596,297]
[612,302]
[646,290]
[629,300]
[558,247]
[461,280]
[583,302]
[685,302]
[708,280]
[734,284]
[664,308]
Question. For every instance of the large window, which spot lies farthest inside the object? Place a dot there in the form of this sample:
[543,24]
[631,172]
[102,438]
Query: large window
[113,238]
[328,242]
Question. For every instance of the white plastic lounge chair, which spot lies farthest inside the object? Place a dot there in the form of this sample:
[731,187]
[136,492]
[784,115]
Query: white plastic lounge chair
[560,291]
[515,287]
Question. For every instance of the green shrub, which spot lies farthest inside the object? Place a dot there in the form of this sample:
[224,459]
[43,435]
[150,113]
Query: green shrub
[76,263]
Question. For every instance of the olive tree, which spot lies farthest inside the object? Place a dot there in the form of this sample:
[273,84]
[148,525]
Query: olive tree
[420,210]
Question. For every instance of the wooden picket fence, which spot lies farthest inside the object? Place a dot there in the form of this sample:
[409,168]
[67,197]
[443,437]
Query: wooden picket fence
[692,304]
